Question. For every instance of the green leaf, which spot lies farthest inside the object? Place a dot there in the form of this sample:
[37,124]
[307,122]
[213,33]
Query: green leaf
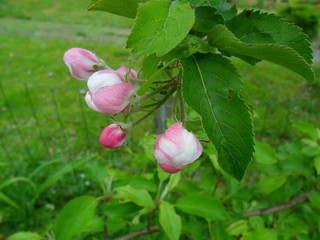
[206,19]
[317,164]
[265,153]
[310,151]
[203,206]
[189,46]
[125,8]
[264,28]
[284,44]
[307,129]
[74,217]
[95,224]
[139,196]
[121,209]
[159,27]
[238,228]
[211,3]
[211,87]
[145,86]
[314,198]
[170,221]
[263,234]
[227,10]
[270,184]
[174,180]
[25,236]
[219,233]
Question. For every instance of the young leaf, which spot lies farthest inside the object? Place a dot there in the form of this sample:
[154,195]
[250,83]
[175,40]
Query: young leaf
[307,129]
[25,236]
[170,221]
[290,50]
[159,27]
[270,184]
[74,217]
[263,234]
[203,206]
[211,87]
[125,8]
[139,196]
[265,153]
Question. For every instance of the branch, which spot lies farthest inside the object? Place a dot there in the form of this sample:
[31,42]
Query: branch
[139,233]
[281,206]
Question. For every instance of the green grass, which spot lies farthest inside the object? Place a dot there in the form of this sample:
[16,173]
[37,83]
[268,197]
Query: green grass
[70,11]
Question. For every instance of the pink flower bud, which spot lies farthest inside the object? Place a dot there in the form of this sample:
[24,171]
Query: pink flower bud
[113,136]
[124,71]
[108,92]
[82,63]
[177,148]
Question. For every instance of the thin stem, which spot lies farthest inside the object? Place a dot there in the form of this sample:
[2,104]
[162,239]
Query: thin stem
[281,206]
[182,113]
[217,185]
[139,233]
[157,90]
[105,229]
[156,81]
[159,105]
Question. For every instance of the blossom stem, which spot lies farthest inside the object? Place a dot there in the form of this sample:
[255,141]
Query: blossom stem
[157,90]
[156,81]
[162,101]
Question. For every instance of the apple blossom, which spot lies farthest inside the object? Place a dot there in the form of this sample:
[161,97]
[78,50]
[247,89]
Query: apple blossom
[108,93]
[177,148]
[113,136]
[126,71]
[82,63]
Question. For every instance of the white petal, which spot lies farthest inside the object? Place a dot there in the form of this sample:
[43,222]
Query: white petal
[168,147]
[189,153]
[90,103]
[99,80]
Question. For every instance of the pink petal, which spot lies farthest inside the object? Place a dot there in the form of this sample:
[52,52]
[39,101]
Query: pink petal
[113,99]
[170,168]
[174,134]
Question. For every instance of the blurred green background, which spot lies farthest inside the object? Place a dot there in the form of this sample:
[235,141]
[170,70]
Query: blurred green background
[45,122]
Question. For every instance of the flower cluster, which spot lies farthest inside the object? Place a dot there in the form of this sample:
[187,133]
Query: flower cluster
[110,93]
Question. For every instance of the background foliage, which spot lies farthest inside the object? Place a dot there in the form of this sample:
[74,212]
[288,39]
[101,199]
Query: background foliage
[50,152]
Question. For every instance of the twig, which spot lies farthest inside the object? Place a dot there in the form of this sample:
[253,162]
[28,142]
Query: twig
[182,114]
[139,233]
[281,206]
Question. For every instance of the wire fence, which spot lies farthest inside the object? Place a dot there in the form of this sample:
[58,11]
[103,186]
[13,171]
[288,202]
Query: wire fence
[40,122]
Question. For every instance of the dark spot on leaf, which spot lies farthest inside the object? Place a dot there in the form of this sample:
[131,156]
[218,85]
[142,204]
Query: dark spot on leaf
[248,13]
[230,90]
[229,97]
